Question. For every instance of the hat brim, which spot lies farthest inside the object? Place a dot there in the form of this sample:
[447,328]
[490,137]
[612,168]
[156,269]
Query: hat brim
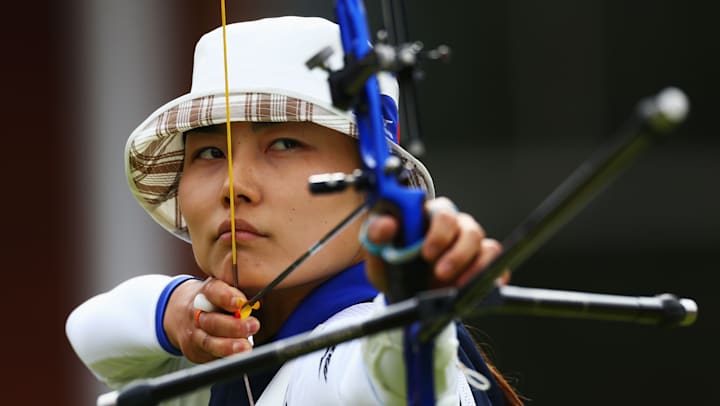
[155,150]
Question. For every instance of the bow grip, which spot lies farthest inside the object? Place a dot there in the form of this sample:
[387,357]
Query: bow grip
[408,279]
[411,274]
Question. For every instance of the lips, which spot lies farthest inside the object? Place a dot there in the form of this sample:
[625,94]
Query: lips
[243,231]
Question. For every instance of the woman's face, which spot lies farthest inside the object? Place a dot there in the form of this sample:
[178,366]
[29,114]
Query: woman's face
[277,219]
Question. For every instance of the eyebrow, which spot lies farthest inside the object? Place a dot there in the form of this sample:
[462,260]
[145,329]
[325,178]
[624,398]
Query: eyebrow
[255,126]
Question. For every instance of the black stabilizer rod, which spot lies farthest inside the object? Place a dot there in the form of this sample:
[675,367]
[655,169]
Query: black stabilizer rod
[654,118]
[662,310]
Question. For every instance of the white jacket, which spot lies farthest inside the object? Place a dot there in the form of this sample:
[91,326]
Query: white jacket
[115,335]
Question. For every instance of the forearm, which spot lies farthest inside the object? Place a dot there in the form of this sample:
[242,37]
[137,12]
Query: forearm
[116,333]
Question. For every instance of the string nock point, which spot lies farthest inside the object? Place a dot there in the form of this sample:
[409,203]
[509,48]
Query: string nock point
[246,310]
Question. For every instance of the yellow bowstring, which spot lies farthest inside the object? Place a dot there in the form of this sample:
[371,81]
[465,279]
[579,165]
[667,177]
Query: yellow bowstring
[231,191]
[245,310]
[229,145]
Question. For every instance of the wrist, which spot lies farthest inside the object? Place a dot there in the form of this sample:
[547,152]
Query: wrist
[169,295]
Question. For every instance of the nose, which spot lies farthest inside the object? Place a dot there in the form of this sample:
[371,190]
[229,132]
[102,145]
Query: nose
[245,185]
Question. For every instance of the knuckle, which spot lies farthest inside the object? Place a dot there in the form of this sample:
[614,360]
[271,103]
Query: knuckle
[492,245]
[185,340]
[199,338]
[453,258]
[245,345]
[442,201]
[464,253]
[495,243]
[206,342]
[477,264]
[238,329]
[445,217]
[208,284]
[226,348]
[208,321]
[468,221]
[476,234]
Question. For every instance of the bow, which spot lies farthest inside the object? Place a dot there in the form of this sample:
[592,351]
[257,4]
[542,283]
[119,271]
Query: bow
[357,85]
[382,179]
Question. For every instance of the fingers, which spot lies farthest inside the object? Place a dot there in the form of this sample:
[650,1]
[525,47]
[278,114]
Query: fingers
[209,342]
[225,325]
[203,347]
[222,295]
[381,229]
[443,229]
[447,226]
[455,244]
[205,322]
[490,249]
[215,335]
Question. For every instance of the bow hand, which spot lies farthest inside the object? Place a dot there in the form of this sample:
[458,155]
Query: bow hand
[454,249]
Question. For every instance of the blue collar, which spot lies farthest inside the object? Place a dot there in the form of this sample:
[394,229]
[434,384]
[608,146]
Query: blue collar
[343,290]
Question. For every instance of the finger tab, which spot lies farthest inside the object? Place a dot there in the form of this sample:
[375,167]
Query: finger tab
[201,302]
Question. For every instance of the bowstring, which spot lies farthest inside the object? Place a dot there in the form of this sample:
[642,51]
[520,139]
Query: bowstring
[228,128]
[231,191]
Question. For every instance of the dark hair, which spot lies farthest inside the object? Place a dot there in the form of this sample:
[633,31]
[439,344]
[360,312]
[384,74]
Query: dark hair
[510,395]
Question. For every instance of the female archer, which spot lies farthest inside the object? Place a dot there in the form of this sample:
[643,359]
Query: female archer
[284,128]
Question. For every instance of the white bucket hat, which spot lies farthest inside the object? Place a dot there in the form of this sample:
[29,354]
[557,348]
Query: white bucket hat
[268,82]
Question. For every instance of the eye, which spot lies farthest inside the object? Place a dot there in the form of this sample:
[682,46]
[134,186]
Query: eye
[209,153]
[283,144]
